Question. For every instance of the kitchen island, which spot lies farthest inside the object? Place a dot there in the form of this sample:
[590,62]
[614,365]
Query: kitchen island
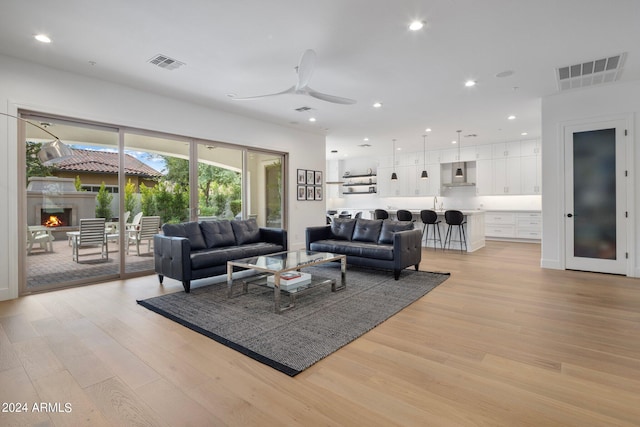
[474,228]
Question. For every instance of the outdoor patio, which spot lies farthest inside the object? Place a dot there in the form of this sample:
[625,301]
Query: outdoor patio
[47,268]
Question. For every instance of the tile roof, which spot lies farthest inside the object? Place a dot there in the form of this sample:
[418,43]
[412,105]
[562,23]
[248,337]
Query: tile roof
[105,162]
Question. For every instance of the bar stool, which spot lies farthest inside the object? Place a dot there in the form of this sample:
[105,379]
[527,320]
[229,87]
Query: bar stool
[430,218]
[455,218]
[404,215]
[380,214]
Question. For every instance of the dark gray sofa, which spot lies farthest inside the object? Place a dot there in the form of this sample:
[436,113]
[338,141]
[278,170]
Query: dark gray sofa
[386,244]
[195,250]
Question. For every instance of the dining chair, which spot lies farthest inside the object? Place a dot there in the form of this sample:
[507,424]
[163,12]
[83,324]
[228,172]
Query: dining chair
[39,236]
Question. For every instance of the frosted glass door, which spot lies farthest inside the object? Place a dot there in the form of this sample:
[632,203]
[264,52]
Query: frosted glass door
[596,200]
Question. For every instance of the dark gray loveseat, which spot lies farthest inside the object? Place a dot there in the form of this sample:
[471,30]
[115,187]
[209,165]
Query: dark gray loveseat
[195,250]
[392,245]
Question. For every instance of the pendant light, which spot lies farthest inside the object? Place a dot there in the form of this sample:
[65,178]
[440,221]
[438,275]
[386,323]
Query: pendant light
[394,175]
[424,174]
[459,173]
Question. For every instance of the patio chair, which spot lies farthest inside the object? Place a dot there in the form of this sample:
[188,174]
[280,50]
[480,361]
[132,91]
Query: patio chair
[92,234]
[149,226]
[40,236]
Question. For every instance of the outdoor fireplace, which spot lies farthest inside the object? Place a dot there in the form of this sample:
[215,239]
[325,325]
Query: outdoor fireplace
[56,217]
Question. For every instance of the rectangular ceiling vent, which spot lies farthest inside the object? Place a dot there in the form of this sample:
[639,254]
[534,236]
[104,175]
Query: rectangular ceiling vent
[302,109]
[589,73]
[163,61]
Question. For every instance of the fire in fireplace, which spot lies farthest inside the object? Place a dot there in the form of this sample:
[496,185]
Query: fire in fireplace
[55,217]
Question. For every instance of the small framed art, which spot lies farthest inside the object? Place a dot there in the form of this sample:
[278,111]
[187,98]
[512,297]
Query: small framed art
[310,177]
[318,195]
[302,192]
[302,176]
[310,192]
[318,177]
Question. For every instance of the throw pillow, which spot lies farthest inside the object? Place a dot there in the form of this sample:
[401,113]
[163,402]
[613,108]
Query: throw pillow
[190,230]
[218,233]
[246,231]
[389,227]
[342,228]
[367,230]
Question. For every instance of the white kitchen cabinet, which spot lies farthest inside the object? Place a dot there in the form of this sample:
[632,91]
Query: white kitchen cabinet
[506,149]
[449,155]
[484,152]
[484,177]
[530,173]
[529,225]
[506,175]
[530,147]
[518,225]
[384,181]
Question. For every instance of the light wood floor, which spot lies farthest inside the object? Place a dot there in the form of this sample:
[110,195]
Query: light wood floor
[501,343]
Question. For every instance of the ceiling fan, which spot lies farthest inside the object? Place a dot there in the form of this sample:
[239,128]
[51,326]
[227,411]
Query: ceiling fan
[305,70]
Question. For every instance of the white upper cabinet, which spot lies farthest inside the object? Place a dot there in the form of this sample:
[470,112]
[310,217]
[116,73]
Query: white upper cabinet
[484,152]
[530,147]
[506,149]
[530,172]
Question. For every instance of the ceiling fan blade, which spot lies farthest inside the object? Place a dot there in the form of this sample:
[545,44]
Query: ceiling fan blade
[330,98]
[292,89]
[305,68]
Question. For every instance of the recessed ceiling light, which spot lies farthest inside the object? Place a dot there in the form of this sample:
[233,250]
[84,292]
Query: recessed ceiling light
[524,134]
[365,139]
[427,130]
[377,104]
[42,38]
[470,83]
[312,119]
[511,117]
[454,142]
[416,25]
[506,73]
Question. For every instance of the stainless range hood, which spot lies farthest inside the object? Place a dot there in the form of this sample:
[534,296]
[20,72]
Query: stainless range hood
[449,178]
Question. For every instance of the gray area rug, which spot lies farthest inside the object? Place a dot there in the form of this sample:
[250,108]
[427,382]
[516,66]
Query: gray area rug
[320,323]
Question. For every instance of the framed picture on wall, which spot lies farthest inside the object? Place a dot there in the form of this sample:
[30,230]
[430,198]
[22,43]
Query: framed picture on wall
[302,177]
[318,195]
[318,177]
[310,192]
[310,177]
[302,192]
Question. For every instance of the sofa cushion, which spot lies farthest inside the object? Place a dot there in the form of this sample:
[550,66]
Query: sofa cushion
[219,256]
[367,230]
[218,233]
[246,231]
[342,228]
[359,249]
[390,227]
[190,230]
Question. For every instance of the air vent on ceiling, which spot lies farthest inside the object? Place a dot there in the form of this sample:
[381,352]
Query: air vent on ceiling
[589,73]
[302,109]
[364,145]
[165,62]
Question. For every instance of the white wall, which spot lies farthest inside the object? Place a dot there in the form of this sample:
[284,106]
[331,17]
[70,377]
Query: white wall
[29,86]
[615,101]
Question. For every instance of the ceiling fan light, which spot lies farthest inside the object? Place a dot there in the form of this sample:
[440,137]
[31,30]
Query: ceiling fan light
[424,175]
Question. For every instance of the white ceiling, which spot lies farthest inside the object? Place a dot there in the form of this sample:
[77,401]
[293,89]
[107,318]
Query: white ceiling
[364,51]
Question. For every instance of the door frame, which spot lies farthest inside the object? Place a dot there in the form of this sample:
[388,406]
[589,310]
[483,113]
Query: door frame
[566,129]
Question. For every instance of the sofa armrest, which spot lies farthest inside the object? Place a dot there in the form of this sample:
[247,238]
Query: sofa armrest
[172,257]
[407,248]
[317,233]
[277,236]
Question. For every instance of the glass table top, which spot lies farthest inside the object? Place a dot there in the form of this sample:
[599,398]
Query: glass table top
[286,260]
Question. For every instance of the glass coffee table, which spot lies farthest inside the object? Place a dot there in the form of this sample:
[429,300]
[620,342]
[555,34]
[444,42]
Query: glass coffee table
[281,263]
